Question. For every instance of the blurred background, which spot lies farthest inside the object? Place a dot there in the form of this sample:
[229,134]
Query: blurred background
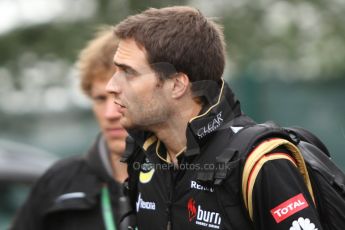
[286,62]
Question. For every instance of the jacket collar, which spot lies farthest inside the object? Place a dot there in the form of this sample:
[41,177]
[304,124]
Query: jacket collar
[85,195]
[220,109]
[98,159]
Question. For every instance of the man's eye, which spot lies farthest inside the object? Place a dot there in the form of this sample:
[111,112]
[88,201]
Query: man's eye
[128,72]
[99,98]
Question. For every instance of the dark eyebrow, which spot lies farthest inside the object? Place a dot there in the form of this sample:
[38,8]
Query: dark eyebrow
[125,67]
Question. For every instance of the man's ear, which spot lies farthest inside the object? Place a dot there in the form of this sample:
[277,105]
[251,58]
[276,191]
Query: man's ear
[181,85]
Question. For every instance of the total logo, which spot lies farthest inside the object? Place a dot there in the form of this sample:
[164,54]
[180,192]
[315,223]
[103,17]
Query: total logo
[302,224]
[141,204]
[289,207]
[202,217]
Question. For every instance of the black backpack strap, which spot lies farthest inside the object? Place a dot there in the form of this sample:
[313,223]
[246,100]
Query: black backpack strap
[318,158]
[256,141]
[242,141]
[223,165]
[307,136]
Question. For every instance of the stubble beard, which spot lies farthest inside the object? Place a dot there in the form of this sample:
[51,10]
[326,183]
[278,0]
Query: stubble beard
[148,116]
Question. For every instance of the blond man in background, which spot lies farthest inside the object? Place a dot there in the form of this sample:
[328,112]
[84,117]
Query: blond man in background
[85,192]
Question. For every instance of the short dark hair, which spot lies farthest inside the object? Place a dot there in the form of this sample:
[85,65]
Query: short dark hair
[181,36]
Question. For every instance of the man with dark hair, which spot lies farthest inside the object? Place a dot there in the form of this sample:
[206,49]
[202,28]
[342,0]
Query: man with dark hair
[85,192]
[192,44]
[175,104]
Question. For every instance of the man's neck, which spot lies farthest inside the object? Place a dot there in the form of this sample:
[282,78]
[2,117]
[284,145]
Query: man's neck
[173,133]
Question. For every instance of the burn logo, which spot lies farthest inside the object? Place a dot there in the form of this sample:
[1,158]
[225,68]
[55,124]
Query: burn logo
[191,209]
[201,217]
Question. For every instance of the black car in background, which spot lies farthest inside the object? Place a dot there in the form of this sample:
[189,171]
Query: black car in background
[20,166]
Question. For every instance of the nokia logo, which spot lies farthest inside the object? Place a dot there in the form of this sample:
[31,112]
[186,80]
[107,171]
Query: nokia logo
[211,126]
[289,207]
[195,185]
[141,204]
[202,217]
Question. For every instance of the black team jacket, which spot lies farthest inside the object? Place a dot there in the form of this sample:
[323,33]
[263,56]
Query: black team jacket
[68,196]
[172,197]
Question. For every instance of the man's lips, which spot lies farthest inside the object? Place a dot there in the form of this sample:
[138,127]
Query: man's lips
[116,132]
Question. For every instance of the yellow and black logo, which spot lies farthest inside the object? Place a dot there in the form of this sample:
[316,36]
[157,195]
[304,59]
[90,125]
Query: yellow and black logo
[146,172]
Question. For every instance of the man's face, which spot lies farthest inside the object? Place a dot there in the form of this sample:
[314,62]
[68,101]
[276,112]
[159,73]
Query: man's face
[108,116]
[143,98]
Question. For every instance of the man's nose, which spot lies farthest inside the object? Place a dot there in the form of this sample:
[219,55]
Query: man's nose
[112,110]
[113,85]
